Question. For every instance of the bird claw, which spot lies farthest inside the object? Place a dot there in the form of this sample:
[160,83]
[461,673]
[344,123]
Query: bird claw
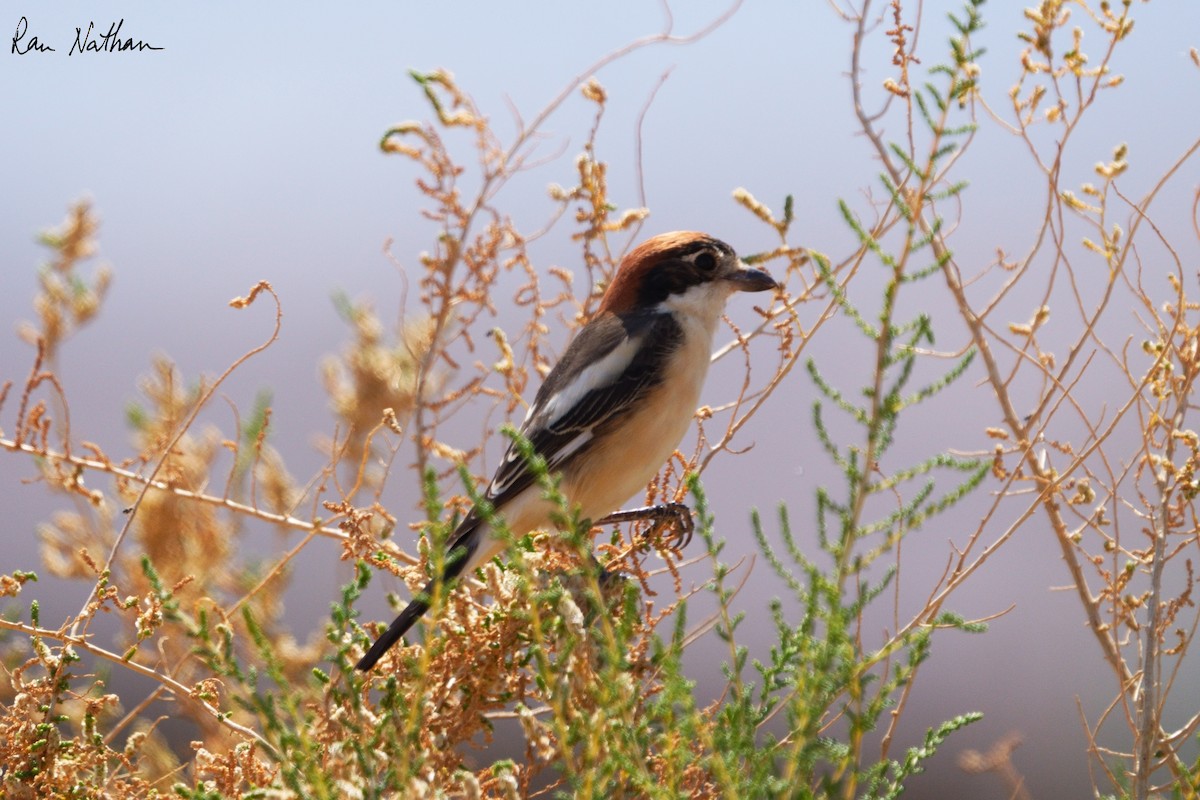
[684,527]
[662,514]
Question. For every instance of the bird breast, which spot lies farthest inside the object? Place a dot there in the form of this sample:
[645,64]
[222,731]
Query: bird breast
[625,459]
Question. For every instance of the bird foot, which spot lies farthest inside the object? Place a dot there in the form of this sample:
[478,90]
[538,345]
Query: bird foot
[663,514]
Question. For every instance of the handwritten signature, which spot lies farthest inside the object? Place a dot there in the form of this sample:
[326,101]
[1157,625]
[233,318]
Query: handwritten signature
[108,42]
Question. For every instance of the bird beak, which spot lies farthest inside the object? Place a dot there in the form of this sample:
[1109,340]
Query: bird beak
[748,279]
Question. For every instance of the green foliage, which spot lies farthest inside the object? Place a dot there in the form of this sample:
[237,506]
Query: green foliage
[833,690]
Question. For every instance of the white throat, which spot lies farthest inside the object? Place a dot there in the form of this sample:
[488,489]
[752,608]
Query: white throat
[699,307]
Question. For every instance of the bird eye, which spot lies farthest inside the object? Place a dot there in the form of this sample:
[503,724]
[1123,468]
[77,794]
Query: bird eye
[706,261]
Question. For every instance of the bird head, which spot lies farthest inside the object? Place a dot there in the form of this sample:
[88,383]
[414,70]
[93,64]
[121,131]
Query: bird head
[683,268]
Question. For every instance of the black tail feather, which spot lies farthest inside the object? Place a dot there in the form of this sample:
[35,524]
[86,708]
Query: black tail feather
[411,613]
[455,562]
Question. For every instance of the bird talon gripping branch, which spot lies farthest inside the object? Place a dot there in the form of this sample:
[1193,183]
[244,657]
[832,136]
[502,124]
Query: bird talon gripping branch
[685,526]
[676,514]
[613,409]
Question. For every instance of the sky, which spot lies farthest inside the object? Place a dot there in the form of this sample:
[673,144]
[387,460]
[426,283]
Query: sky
[246,148]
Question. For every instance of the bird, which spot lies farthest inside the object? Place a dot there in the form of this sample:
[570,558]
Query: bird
[614,407]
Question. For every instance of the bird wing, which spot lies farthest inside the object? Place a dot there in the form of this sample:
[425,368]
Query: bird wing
[607,368]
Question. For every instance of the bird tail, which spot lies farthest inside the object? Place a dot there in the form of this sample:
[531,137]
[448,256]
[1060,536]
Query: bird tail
[411,613]
[456,562]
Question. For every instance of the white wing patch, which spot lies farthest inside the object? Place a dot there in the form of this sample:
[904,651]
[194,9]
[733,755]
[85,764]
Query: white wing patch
[602,373]
[498,486]
[570,447]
